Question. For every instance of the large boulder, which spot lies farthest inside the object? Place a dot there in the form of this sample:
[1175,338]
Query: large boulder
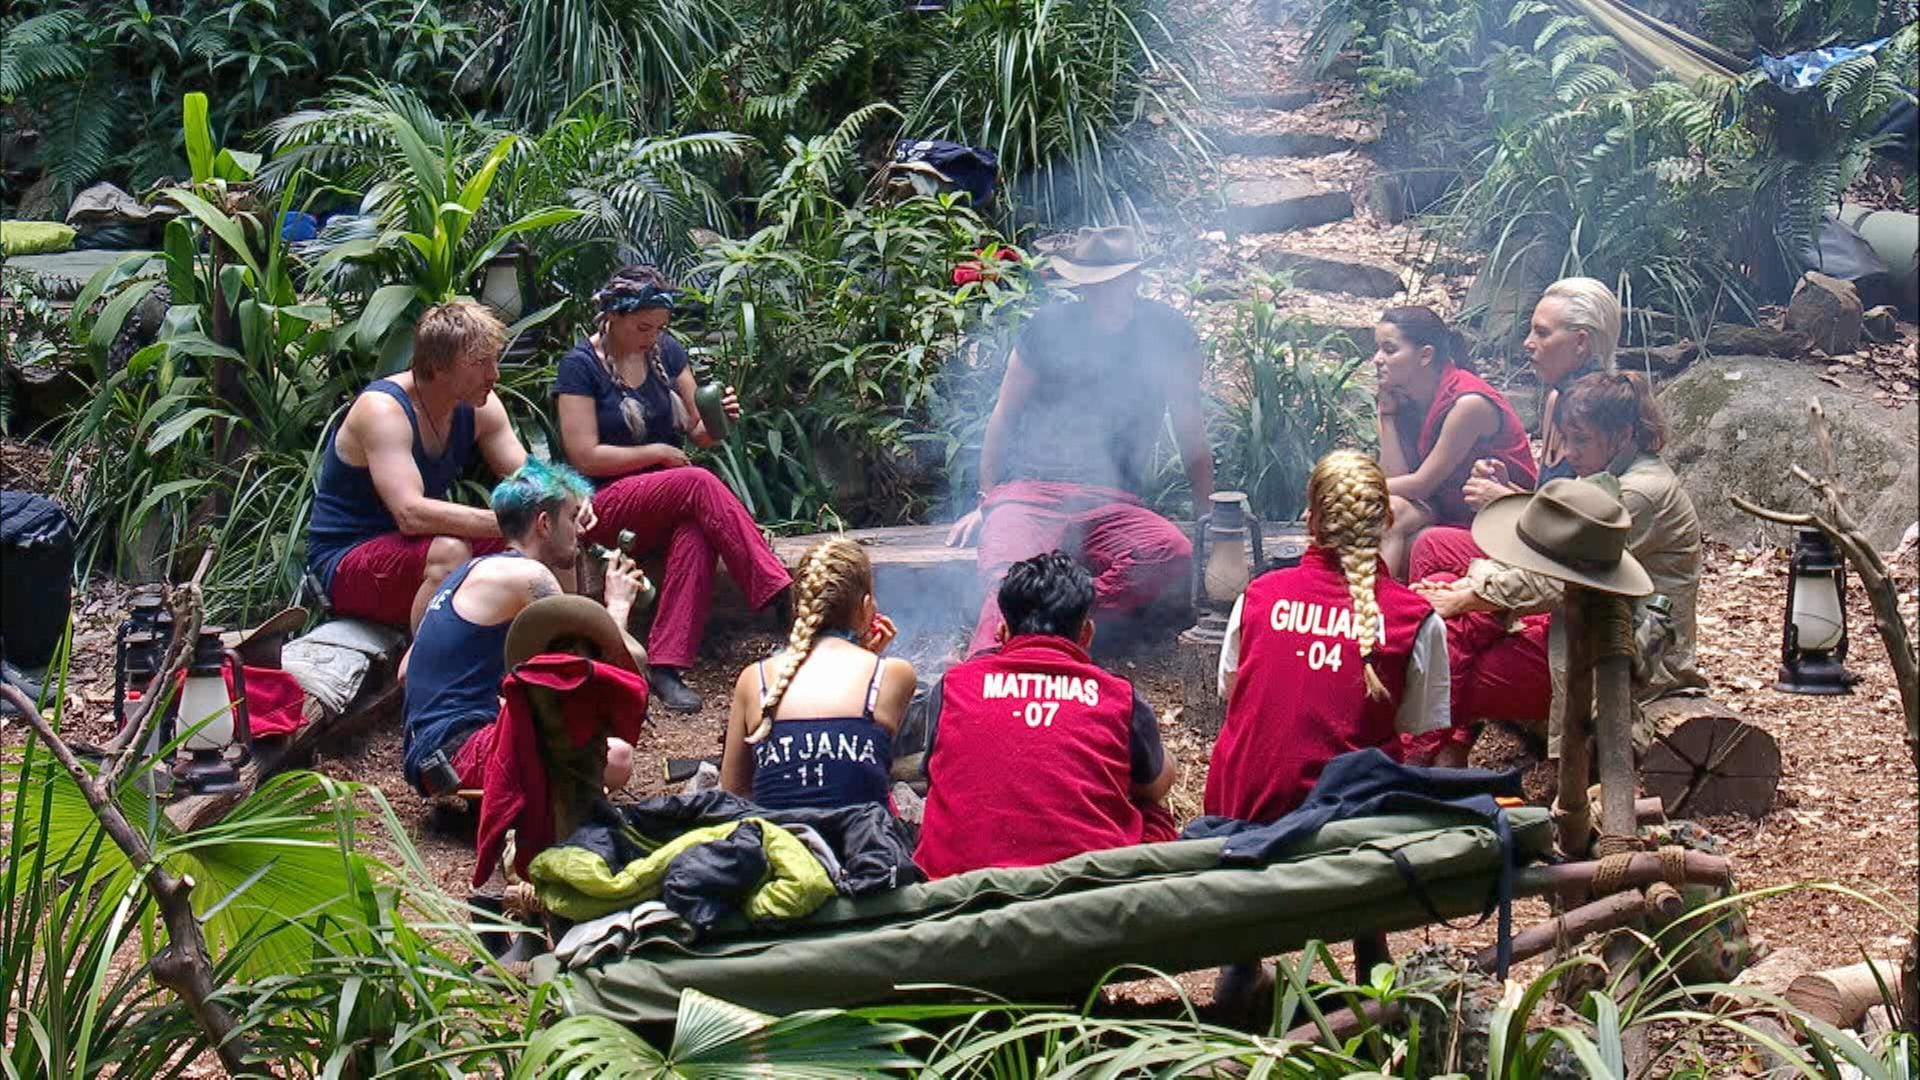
[1740,423]
[1827,310]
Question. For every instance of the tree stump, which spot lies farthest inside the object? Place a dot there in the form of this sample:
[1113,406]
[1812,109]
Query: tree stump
[1701,759]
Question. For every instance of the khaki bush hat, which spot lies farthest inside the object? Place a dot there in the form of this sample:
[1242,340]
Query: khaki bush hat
[553,617]
[1569,530]
[1092,256]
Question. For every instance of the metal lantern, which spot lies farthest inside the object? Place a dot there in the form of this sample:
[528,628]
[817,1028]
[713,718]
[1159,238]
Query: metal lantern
[1813,647]
[216,718]
[500,288]
[1221,569]
[139,647]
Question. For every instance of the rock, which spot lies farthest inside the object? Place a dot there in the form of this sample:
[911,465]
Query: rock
[1505,297]
[1882,324]
[1827,310]
[1396,196]
[1255,206]
[1327,273]
[1738,424]
[44,201]
[1659,359]
[1278,100]
[1733,339]
[1280,143]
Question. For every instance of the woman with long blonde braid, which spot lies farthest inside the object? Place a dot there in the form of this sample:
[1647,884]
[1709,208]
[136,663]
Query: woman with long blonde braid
[813,725]
[1326,657]
[1321,659]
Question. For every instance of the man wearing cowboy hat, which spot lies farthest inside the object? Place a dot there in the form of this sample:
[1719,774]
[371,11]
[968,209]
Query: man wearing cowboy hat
[1069,448]
[460,653]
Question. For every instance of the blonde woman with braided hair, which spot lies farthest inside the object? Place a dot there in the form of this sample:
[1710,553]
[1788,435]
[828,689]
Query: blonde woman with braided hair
[1326,657]
[813,725]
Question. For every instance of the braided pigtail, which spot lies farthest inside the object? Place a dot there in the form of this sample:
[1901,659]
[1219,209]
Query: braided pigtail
[834,577]
[1349,496]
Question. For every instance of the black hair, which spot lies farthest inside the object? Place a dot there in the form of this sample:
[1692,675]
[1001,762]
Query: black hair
[1424,326]
[1047,594]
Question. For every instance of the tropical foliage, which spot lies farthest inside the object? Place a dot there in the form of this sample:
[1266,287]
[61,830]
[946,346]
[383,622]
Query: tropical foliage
[1568,167]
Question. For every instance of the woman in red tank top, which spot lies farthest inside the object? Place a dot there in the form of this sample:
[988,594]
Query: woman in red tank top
[1436,419]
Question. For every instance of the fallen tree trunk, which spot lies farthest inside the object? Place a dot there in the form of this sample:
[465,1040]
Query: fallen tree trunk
[1842,996]
[1700,758]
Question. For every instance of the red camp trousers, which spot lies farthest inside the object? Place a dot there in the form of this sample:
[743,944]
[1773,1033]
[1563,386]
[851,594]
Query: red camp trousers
[690,513]
[1135,555]
[1499,673]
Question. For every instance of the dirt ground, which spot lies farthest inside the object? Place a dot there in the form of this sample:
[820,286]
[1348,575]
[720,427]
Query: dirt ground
[1845,813]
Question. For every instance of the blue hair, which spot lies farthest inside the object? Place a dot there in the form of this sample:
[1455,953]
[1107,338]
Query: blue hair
[534,487]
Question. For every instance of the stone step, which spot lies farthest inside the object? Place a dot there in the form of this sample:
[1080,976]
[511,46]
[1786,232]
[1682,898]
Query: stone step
[1280,143]
[1328,273]
[1266,206]
[1277,100]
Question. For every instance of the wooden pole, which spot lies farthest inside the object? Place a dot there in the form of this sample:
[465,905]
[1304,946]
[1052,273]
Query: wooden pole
[1575,818]
[1610,618]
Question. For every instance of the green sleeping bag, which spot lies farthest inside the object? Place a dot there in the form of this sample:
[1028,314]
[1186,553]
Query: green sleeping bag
[1055,929]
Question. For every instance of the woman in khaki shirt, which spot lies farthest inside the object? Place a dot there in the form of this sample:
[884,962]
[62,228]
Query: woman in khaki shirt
[1613,431]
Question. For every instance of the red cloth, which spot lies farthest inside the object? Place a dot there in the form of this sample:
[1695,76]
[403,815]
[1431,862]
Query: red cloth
[377,579]
[1498,670]
[598,700]
[1300,698]
[1025,772]
[1508,443]
[275,701]
[1136,556]
[1442,551]
[692,515]
[470,761]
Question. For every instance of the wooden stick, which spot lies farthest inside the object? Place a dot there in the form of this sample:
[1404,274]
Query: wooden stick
[1575,821]
[1606,913]
[1642,869]
[183,964]
[1613,714]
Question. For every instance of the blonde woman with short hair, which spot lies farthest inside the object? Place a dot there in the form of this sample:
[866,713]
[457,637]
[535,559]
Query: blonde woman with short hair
[813,725]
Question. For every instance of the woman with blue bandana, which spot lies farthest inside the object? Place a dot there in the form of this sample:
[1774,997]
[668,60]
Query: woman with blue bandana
[625,398]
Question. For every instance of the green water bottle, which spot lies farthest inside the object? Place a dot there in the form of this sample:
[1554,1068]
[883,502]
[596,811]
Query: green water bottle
[708,399]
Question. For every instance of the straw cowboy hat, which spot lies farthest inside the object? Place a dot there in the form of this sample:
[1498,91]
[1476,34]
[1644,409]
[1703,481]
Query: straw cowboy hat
[1569,530]
[1092,256]
[547,619]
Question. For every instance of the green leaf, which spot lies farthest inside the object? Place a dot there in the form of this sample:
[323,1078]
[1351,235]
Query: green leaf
[234,166]
[223,227]
[199,135]
[384,307]
[182,262]
[170,432]
[103,279]
[112,318]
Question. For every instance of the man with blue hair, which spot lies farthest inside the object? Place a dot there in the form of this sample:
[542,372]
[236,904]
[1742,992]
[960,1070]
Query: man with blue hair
[458,658]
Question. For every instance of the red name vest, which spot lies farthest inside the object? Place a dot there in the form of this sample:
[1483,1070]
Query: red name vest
[1030,762]
[1508,443]
[1300,698]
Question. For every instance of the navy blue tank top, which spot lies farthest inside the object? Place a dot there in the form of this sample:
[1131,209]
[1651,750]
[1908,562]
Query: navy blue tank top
[453,678]
[346,506]
[826,762]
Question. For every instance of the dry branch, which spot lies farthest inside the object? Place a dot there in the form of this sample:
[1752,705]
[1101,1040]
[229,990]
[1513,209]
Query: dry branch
[182,965]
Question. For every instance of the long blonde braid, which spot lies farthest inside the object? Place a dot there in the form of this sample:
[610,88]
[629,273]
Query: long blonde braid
[834,576]
[1348,493]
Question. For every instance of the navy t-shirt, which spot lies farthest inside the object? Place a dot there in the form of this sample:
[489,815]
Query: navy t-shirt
[582,373]
[1100,398]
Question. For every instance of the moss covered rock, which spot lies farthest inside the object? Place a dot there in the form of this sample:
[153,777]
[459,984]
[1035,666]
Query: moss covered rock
[1740,423]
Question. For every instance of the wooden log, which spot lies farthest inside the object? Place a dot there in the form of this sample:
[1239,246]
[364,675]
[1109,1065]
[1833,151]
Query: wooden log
[1606,913]
[1701,759]
[1575,821]
[1573,878]
[1842,996]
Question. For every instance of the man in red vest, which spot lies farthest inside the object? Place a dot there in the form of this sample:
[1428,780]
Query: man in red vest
[1034,753]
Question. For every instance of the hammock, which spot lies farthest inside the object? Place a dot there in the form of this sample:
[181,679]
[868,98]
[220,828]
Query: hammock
[1653,47]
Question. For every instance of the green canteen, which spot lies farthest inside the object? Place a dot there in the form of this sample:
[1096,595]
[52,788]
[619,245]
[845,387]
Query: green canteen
[714,415]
